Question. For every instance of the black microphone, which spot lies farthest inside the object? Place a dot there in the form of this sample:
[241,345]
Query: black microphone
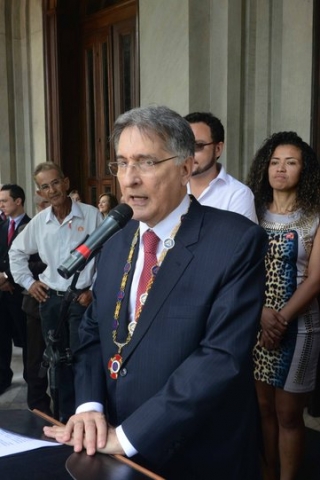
[117,218]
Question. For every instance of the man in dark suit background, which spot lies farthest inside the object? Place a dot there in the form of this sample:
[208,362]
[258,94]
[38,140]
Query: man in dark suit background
[13,319]
[170,363]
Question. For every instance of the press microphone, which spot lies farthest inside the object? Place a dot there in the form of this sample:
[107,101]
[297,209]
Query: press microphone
[117,218]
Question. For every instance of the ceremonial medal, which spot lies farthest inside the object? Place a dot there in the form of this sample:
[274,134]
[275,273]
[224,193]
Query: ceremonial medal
[115,362]
[154,270]
[168,243]
[114,366]
[143,298]
[131,327]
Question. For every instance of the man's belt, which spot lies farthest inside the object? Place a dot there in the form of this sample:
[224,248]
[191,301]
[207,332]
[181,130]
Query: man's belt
[60,293]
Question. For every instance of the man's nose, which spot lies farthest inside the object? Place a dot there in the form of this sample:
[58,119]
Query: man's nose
[52,187]
[131,174]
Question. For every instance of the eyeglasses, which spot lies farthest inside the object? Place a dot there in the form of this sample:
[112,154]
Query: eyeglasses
[55,183]
[199,146]
[144,167]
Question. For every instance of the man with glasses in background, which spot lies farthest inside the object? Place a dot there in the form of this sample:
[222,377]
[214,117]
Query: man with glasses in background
[166,345]
[53,233]
[210,183]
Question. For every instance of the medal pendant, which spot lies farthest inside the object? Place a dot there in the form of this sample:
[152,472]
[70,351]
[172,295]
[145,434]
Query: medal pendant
[114,366]
[168,243]
[143,298]
[131,327]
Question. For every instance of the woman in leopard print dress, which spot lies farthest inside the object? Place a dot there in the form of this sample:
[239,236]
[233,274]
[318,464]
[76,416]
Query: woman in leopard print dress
[285,179]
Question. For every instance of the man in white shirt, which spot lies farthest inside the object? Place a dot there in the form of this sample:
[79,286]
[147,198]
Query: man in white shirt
[53,234]
[210,183]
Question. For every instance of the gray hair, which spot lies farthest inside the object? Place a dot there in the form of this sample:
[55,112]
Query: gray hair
[174,131]
[45,166]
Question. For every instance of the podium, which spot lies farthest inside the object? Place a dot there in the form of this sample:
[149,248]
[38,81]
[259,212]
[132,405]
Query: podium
[60,463]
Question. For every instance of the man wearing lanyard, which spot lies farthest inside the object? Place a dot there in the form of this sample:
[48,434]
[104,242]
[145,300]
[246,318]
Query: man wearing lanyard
[13,320]
[166,345]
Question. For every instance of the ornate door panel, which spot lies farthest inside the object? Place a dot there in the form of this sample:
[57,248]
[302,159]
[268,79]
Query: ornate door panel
[110,88]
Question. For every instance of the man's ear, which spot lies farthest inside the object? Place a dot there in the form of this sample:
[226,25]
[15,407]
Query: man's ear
[67,182]
[186,170]
[219,149]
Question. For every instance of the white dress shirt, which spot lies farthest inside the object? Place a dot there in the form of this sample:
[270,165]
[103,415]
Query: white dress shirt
[54,242]
[227,193]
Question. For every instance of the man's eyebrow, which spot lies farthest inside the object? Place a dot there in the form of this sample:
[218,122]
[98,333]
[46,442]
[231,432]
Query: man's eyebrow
[138,157]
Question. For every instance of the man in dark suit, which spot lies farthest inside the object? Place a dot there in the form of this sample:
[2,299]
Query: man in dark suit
[170,363]
[13,319]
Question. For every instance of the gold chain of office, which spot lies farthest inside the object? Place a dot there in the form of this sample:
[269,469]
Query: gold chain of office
[115,362]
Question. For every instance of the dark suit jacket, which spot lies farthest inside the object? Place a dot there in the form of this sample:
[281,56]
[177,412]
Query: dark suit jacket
[185,395]
[4,247]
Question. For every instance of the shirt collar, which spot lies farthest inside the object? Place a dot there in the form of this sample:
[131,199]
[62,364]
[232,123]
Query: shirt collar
[222,175]
[17,219]
[164,228]
[75,212]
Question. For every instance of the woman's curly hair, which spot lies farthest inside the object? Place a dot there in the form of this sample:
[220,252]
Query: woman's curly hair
[308,188]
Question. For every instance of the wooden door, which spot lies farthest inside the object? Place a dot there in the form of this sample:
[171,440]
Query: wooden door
[91,71]
[110,88]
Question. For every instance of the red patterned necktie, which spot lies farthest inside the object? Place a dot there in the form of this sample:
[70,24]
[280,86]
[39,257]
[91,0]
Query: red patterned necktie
[150,245]
[11,231]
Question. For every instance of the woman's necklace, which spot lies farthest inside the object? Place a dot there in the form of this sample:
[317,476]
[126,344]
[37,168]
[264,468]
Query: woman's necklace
[115,362]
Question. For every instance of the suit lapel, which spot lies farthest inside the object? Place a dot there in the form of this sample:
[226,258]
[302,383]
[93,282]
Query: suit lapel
[4,227]
[4,239]
[20,227]
[173,267]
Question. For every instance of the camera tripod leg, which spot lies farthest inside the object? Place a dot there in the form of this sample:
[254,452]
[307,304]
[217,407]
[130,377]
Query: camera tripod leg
[54,390]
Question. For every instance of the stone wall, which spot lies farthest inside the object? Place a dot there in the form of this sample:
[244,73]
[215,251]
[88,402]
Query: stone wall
[247,61]
[22,105]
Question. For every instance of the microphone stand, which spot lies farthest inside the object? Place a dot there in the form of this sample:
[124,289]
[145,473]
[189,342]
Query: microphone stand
[53,355]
